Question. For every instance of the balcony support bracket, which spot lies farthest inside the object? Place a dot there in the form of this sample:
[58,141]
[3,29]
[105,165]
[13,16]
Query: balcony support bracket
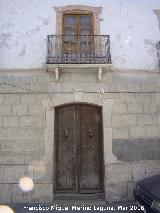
[54,71]
[100,72]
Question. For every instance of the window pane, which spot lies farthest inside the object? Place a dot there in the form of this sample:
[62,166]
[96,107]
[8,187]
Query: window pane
[69,32]
[85,48]
[85,32]
[70,38]
[85,20]
[69,48]
[69,20]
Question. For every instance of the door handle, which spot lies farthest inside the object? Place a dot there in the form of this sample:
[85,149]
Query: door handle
[90,133]
[66,132]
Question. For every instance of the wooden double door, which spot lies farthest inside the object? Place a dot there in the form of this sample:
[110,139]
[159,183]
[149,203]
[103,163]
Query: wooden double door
[78,150]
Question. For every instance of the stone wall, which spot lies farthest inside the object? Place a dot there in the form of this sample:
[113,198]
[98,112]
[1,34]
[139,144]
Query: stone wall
[131,123]
[135,142]
[22,129]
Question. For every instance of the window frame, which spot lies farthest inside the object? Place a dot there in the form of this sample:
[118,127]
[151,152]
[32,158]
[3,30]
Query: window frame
[77,19]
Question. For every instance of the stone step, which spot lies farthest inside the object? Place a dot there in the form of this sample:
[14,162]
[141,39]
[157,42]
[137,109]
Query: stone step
[80,197]
[79,202]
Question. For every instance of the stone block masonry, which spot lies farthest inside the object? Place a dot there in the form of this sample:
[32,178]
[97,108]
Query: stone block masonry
[22,122]
[131,124]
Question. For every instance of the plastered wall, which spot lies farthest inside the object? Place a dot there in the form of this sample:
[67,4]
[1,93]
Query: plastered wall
[132,25]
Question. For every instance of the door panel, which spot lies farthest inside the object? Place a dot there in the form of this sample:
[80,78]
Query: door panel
[66,148]
[89,155]
[79,149]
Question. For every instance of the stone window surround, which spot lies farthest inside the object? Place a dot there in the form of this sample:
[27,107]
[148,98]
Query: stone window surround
[157,12]
[96,11]
[78,97]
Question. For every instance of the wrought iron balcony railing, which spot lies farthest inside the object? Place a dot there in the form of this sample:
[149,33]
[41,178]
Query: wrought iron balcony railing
[78,49]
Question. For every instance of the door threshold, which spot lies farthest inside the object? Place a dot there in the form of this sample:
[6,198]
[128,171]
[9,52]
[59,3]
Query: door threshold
[81,197]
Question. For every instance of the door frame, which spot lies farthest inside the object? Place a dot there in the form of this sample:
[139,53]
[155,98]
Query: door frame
[102,171]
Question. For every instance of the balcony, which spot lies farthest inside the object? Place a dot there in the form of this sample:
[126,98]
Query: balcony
[76,52]
[81,49]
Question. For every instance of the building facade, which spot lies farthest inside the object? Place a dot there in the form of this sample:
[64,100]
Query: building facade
[79,98]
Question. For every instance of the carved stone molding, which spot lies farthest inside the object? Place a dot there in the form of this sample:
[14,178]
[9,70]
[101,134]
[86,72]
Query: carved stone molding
[157,12]
[96,10]
[54,71]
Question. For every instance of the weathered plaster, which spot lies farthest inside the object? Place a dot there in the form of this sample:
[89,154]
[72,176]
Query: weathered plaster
[128,23]
[23,51]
